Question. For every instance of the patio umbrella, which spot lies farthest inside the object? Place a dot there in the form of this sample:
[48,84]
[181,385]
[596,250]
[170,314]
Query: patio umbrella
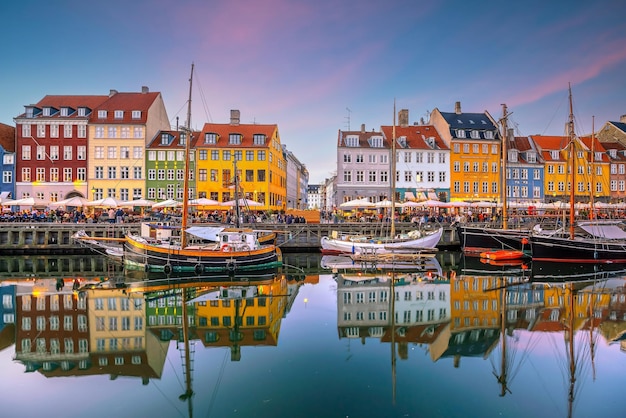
[242,202]
[203,201]
[137,202]
[169,203]
[27,201]
[386,203]
[75,201]
[357,203]
[107,202]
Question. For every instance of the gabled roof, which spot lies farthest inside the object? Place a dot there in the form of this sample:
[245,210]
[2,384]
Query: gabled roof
[423,137]
[7,137]
[155,142]
[619,125]
[545,144]
[73,102]
[524,145]
[619,147]
[126,102]
[224,130]
[597,146]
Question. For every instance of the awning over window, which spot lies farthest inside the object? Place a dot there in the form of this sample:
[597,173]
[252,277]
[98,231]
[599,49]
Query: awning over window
[409,196]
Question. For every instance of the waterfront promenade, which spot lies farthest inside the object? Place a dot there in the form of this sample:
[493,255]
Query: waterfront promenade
[55,238]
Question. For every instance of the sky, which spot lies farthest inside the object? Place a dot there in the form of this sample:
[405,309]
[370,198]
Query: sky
[315,67]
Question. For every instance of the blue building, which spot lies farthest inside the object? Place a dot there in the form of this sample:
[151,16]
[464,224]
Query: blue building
[7,161]
[525,172]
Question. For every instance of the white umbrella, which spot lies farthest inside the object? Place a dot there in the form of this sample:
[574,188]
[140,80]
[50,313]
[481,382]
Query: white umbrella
[203,201]
[386,203]
[137,202]
[75,201]
[27,201]
[483,204]
[107,202]
[356,203]
[242,202]
[169,203]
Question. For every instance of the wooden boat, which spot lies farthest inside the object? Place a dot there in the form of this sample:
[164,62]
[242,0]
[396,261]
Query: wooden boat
[414,241]
[236,249]
[580,241]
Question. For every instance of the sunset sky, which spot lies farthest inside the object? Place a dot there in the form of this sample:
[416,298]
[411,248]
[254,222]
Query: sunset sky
[315,67]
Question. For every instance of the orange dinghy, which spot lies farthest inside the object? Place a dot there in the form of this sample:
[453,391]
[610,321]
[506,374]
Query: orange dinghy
[503,255]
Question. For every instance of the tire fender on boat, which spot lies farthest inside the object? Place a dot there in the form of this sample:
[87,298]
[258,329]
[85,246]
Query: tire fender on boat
[167,269]
[230,265]
[198,269]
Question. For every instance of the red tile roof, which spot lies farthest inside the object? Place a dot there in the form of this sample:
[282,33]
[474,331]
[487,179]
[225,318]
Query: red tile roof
[416,136]
[126,102]
[74,102]
[7,137]
[223,131]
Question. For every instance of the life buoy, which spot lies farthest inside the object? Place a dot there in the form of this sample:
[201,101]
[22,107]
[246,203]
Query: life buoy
[225,248]
[245,247]
[198,269]
[230,266]
[167,269]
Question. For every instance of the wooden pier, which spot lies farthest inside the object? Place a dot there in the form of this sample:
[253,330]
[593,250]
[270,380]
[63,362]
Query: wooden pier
[56,238]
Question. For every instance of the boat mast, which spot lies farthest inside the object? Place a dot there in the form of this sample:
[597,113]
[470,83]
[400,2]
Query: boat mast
[505,138]
[187,129]
[237,211]
[393,173]
[572,164]
[593,168]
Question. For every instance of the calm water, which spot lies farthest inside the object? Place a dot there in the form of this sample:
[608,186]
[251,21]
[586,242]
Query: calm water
[481,341]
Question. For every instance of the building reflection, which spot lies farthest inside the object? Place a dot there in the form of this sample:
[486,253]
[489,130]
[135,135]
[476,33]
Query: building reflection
[79,327]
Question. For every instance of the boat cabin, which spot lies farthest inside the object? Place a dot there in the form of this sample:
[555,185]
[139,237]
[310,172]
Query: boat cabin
[238,240]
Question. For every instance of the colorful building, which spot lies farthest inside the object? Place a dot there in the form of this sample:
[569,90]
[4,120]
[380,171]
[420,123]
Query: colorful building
[257,152]
[119,130]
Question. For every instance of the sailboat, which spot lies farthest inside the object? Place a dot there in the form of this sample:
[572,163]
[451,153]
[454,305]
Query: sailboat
[498,241]
[236,249]
[415,241]
[580,241]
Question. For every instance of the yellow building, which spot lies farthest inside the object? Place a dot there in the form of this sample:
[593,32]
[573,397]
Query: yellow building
[592,168]
[475,153]
[119,130]
[258,154]
[471,306]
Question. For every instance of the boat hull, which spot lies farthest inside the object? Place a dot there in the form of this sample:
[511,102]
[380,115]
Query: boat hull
[562,249]
[168,259]
[350,246]
[475,240]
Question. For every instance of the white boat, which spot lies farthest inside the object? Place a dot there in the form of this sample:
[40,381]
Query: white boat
[413,241]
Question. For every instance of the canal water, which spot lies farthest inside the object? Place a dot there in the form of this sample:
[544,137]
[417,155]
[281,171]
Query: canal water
[320,338]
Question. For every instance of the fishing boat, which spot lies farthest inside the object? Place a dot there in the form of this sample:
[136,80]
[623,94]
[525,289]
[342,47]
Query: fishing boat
[236,249]
[413,241]
[579,241]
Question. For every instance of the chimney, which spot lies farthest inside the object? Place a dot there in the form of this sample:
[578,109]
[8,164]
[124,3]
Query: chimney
[112,92]
[403,117]
[234,117]
[457,108]
[362,128]
[622,119]
[145,89]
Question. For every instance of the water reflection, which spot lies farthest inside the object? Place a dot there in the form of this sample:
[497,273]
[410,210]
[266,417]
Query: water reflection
[468,316]
[123,327]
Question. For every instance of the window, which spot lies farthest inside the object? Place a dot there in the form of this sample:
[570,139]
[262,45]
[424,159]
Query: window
[234,139]
[25,152]
[258,139]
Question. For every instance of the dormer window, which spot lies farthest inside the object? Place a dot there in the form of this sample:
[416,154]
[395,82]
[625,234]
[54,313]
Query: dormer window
[210,138]
[488,134]
[460,133]
[531,156]
[554,155]
[30,112]
[82,111]
[258,139]
[165,138]
[475,134]
[234,139]
[352,141]
[46,111]
[182,138]
[102,114]
[65,111]
[118,114]
[613,153]
[376,142]
[513,155]
[136,114]
[402,141]
[598,156]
